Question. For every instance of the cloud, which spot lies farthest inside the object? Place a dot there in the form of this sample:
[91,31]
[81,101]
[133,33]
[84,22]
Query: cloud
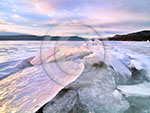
[102,11]
[136,6]
[22,29]
[107,15]
[51,5]
[4,22]
[18,18]
[42,6]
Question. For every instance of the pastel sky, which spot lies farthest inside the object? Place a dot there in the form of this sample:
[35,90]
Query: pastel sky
[108,17]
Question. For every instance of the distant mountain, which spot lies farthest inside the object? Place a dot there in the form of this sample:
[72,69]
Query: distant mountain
[11,34]
[33,37]
[138,36]
[67,38]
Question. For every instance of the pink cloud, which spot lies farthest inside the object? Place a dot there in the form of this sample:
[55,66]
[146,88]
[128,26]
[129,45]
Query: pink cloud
[42,6]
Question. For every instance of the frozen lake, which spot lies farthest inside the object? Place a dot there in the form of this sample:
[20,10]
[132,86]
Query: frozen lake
[25,88]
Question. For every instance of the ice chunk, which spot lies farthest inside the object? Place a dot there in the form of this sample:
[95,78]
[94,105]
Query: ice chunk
[62,103]
[108,57]
[139,90]
[118,66]
[141,62]
[99,102]
[96,92]
[136,64]
[91,59]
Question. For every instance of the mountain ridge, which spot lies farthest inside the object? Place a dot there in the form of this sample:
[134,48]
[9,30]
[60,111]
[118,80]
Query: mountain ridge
[136,36]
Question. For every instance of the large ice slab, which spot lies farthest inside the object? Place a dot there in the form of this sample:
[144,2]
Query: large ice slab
[61,53]
[30,89]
